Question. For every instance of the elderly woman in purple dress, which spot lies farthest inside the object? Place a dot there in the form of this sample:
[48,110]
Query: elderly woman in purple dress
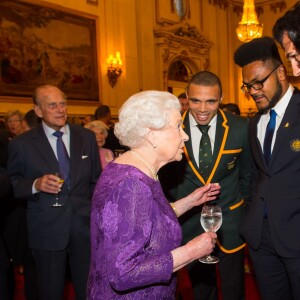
[135,234]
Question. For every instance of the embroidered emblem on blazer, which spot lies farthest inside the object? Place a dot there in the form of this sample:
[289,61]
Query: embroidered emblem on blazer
[231,164]
[295,145]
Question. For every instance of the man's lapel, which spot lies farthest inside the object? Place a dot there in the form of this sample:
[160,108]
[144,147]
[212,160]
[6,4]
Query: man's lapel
[287,125]
[76,143]
[220,141]
[42,145]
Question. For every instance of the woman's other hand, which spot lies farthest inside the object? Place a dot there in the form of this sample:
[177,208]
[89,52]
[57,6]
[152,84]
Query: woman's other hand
[203,194]
[199,196]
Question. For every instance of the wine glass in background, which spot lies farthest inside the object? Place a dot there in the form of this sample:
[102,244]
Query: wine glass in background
[60,180]
[211,220]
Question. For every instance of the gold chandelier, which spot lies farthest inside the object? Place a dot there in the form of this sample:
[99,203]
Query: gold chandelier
[249,27]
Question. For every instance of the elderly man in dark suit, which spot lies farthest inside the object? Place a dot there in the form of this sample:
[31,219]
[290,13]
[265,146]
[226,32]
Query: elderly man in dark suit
[230,167]
[56,232]
[272,219]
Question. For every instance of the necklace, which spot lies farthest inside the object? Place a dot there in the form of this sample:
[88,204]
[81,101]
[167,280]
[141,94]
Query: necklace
[146,164]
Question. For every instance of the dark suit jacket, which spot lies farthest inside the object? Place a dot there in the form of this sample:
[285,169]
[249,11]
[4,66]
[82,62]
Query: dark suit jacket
[30,157]
[231,170]
[276,186]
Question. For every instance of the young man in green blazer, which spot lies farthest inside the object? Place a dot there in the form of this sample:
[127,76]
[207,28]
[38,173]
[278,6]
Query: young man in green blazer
[230,167]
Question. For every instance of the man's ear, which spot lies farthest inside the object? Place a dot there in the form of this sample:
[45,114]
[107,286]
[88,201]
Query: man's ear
[282,74]
[38,111]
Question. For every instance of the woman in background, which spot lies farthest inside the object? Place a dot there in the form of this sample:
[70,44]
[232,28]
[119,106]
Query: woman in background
[135,234]
[106,155]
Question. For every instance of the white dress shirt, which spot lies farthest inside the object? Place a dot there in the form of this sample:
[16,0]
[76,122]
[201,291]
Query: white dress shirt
[279,108]
[196,135]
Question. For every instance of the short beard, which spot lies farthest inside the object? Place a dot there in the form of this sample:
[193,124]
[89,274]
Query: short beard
[274,100]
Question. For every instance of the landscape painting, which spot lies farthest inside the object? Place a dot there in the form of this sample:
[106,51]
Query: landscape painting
[44,45]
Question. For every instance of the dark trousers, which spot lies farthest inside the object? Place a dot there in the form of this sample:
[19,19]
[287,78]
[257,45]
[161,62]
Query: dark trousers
[277,277]
[232,278]
[51,265]
[30,277]
[4,290]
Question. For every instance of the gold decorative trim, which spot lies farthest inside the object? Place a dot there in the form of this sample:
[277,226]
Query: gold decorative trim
[92,2]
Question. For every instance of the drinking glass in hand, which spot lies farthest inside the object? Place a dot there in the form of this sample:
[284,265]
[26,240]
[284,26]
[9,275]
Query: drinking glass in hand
[60,180]
[211,220]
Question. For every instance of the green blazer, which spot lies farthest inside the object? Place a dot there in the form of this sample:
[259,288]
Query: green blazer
[232,164]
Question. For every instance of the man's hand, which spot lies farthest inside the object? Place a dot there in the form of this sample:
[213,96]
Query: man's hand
[49,183]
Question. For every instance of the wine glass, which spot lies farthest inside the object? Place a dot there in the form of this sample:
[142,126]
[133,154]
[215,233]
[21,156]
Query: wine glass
[61,180]
[211,220]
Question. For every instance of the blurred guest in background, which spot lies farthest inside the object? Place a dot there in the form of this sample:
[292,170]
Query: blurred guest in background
[184,102]
[135,233]
[14,122]
[87,119]
[75,121]
[31,120]
[103,114]
[231,108]
[106,155]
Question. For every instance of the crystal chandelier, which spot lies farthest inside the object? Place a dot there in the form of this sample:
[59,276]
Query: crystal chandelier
[249,27]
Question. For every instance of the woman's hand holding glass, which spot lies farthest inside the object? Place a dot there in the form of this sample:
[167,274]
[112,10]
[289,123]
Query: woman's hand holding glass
[202,245]
[211,221]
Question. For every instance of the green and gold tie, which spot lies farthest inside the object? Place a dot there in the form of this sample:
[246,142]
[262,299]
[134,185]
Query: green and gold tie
[205,153]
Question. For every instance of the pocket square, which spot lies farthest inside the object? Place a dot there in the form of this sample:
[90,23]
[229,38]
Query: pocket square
[84,156]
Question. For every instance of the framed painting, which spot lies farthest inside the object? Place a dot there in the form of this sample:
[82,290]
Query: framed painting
[44,45]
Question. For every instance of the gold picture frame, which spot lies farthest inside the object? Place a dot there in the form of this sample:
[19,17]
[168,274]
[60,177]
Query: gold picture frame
[41,44]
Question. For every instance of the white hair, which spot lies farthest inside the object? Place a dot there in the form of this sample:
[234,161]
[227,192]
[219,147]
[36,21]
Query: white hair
[144,110]
[99,125]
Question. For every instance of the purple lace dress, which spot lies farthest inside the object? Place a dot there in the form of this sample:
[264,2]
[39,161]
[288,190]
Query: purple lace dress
[133,230]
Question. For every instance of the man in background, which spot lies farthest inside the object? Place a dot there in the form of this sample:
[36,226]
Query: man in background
[103,113]
[184,102]
[232,108]
[286,32]
[272,219]
[31,120]
[56,232]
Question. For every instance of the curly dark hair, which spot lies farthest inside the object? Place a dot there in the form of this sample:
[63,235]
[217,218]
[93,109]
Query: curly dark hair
[263,49]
